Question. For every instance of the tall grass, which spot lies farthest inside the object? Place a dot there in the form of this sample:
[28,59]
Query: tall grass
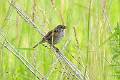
[87,42]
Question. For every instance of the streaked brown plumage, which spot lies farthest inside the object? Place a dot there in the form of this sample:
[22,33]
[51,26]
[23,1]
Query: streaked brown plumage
[53,36]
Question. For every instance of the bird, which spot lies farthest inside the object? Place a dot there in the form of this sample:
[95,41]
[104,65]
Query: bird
[54,36]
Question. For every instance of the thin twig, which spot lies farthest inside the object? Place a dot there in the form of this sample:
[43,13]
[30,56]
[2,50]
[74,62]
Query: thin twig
[26,18]
[88,38]
[12,49]
[75,33]
[76,37]
[63,59]
[8,14]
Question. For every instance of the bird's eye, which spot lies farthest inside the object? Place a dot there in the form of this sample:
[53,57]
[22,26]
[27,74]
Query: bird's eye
[57,30]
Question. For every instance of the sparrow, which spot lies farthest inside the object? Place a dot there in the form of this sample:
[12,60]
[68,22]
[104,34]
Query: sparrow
[53,36]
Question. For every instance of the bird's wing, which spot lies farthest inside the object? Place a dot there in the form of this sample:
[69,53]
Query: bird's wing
[48,35]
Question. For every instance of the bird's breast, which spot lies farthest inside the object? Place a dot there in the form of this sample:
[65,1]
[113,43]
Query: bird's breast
[58,36]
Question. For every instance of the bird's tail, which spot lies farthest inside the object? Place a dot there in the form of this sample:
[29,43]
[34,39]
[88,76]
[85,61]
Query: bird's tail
[37,44]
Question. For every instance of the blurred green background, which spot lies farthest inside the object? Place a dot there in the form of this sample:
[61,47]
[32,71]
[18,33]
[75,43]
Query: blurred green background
[92,38]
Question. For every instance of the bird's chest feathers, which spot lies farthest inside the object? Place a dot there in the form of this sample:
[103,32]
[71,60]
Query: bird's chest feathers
[59,34]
